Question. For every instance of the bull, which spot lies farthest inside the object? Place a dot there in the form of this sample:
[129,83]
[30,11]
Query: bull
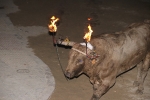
[112,55]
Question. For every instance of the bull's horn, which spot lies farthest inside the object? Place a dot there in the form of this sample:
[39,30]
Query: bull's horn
[65,42]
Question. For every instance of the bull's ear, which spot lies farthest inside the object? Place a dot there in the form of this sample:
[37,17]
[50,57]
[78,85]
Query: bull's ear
[89,51]
[65,42]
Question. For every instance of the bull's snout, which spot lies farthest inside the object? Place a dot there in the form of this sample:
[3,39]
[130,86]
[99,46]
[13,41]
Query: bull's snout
[68,74]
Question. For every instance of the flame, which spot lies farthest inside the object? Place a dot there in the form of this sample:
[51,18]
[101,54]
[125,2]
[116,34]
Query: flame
[52,26]
[87,36]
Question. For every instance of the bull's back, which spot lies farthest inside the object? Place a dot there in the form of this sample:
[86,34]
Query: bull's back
[126,48]
[134,46]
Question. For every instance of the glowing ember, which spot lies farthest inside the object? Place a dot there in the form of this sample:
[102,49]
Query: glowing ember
[87,36]
[52,26]
[89,19]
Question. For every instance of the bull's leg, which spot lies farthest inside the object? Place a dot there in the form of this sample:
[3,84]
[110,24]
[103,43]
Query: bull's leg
[139,75]
[100,89]
[142,74]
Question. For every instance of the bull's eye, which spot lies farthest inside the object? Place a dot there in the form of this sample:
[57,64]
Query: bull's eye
[79,61]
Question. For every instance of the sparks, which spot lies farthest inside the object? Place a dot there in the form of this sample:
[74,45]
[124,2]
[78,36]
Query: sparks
[89,19]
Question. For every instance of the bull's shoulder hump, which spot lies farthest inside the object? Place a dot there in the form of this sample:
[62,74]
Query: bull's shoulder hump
[140,30]
[109,35]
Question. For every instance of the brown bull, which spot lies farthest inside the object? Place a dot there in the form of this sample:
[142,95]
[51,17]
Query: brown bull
[117,53]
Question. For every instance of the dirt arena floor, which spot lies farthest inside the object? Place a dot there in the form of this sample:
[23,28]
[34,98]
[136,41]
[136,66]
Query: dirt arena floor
[107,16]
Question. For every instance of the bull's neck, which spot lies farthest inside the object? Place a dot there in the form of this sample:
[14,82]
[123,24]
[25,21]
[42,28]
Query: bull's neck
[91,65]
[89,68]
[102,48]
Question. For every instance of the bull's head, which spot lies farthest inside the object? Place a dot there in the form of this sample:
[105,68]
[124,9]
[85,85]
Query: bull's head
[77,57]
[76,61]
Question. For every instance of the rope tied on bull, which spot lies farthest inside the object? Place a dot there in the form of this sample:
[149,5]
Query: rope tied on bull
[92,55]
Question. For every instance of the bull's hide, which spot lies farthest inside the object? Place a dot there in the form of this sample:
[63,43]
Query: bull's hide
[118,52]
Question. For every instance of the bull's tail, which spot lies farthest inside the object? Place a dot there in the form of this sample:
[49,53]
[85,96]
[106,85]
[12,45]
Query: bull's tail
[147,21]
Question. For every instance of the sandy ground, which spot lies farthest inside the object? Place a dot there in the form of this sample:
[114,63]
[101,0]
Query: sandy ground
[107,16]
[23,76]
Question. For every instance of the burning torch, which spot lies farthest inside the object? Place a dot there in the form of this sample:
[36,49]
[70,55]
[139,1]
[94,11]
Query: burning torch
[52,27]
[87,36]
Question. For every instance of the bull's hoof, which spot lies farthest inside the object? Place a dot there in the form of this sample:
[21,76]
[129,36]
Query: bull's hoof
[136,83]
[94,98]
[139,92]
